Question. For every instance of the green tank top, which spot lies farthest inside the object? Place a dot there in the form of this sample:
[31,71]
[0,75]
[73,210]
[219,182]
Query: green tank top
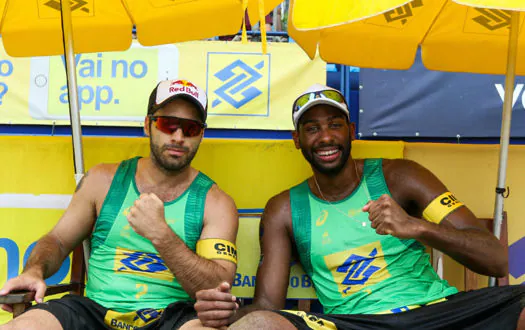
[353,269]
[125,271]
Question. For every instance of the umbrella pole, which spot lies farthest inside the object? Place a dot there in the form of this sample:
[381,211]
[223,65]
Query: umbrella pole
[505,125]
[74,113]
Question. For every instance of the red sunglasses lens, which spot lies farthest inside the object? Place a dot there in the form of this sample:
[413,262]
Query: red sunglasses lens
[169,125]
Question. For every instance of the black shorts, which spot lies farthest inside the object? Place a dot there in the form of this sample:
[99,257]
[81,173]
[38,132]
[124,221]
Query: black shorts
[490,308]
[80,313]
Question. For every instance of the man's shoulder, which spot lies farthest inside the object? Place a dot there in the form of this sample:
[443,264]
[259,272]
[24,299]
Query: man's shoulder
[405,166]
[103,171]
[219,199]
[99,178]
[282,199]
[278,208]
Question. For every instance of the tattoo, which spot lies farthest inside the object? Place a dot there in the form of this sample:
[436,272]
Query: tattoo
[81,181]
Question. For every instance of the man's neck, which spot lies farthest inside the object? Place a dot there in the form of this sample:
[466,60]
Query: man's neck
[158,176]
[338,186]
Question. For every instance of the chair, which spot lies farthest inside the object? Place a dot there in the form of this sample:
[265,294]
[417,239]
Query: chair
[22,300]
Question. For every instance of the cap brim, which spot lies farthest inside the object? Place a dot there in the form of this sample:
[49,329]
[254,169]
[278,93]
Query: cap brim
[186,97]
[297,116]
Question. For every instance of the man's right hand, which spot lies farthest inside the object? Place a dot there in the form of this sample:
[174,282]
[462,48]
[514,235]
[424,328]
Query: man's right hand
[216,307]
[26,281]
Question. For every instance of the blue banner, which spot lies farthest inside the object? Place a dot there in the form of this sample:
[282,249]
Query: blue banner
[423,103]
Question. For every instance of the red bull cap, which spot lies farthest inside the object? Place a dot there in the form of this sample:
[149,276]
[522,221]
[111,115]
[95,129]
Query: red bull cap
[169,90]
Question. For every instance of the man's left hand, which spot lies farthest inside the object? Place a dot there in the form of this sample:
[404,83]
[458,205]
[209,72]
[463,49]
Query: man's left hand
[146,216]
[388,218]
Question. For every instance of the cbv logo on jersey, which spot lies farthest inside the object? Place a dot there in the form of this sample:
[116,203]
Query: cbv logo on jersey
[519,94]
[358,268]
[142,264]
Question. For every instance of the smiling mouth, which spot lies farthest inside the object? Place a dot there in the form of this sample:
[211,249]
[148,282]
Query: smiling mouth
[327,152]
[328,155]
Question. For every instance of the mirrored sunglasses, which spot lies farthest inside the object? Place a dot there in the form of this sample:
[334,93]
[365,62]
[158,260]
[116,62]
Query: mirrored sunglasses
[327,94]
[168,125]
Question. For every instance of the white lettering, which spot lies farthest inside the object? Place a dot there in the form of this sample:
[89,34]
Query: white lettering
[517,92]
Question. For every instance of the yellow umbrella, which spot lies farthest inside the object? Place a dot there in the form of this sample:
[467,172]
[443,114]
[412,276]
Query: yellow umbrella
[452,37]
[476,36]
[33,27]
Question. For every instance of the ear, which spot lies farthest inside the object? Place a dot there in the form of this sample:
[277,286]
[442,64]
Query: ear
[295,136]
[352,131]
[147,126]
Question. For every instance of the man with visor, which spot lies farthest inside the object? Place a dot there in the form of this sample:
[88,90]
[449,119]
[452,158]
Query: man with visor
[359,229]
[155,224]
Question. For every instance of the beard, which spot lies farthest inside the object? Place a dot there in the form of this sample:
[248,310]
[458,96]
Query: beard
[332,169]
[169,163]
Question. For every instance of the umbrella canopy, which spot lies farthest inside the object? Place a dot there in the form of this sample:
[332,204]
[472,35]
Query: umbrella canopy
[453,37]
[476,36]
[34,28]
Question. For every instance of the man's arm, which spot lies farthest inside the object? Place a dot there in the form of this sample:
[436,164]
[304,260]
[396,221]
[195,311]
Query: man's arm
[216,307]
[459,234]
[75,224]
[193,272]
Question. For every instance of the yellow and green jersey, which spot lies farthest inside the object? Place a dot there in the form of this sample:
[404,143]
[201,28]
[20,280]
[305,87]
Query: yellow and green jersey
[354,270]
[125,271]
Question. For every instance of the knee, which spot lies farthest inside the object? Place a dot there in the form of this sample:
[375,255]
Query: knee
[262,320]
[6,326]
[193,325]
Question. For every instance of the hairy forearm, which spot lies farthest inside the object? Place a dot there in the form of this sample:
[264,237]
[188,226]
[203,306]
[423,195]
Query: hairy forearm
[46,258]
[474,248]
[193,272]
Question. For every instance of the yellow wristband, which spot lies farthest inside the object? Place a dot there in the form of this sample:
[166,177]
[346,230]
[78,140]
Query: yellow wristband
[215,248]
[440,207]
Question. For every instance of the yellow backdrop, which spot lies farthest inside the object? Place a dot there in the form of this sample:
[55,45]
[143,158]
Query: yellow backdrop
[36,175]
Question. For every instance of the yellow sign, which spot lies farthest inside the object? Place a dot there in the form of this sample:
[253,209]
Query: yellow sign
[14,83]
[237,79]
[246,89]
[249,254]
[112,87]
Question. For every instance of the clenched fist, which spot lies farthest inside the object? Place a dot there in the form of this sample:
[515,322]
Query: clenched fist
[146,217]
[388,218]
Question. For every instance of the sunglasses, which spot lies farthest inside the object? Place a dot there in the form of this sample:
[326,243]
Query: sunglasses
[327,94]
[168,125]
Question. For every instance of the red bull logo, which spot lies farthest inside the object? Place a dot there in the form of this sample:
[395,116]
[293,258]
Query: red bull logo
[184,86]
[183,83]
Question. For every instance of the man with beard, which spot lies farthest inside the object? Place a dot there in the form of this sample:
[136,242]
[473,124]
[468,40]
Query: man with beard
[160,231]
[358,226]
